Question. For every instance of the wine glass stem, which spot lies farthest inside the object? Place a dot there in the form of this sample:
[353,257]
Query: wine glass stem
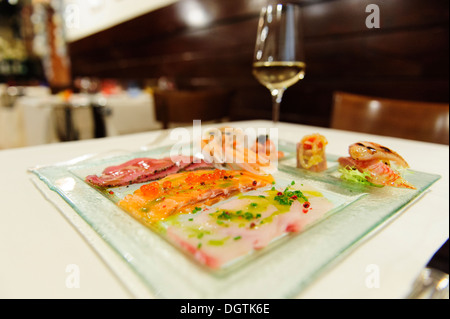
[277,96]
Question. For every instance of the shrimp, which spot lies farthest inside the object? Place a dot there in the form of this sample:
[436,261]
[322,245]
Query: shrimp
[224,150]
[363,151]
[379,172]
[265,146]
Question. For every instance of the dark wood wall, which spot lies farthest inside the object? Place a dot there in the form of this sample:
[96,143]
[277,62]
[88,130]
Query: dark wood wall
[406,58]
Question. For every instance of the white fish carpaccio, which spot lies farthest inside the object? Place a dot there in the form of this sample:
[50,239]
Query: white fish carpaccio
[235,228]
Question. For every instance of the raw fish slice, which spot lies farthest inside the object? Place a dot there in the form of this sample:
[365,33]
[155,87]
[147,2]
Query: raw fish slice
[139,172]
[216,242]
[198,166]
[183,192]
[142,170]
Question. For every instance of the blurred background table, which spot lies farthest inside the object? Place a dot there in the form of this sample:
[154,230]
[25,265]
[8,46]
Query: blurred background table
[37,120]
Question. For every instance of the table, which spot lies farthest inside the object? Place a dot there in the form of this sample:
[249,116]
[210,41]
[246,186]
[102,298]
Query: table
[131,114]
[39,246]
[32,120]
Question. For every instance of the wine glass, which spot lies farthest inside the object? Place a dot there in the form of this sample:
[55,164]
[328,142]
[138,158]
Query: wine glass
[278,62]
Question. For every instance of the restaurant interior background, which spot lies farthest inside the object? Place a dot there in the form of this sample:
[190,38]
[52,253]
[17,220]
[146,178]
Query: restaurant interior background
[78,69]
[81,69]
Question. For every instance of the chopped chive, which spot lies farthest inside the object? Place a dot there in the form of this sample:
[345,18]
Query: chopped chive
[237,237]
[199,245]
[224,215]
[216,242]
[248,216]
[191,219]
[288,197]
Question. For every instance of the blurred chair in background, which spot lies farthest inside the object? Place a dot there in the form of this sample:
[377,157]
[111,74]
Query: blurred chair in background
[184,106]
[420,121]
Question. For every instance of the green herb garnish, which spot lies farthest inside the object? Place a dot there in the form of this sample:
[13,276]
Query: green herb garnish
[287,197]
[224,215]
[248,216]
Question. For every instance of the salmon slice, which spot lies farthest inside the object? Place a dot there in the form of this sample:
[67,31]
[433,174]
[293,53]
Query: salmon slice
[188,191]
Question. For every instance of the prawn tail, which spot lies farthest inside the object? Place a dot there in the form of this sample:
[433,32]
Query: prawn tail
[401,182]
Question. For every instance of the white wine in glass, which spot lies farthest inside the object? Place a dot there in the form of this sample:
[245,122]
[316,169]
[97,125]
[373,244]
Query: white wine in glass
[278,61]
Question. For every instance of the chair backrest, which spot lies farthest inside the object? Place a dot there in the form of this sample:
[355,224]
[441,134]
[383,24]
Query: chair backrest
[184,106]
[421,121]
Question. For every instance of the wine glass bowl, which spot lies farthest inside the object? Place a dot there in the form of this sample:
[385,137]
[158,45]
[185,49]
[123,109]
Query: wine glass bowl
[278,61]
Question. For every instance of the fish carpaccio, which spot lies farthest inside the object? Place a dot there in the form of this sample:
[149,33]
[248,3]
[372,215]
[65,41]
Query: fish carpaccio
[218,236]
[187,191]
[141,170]
[219,216]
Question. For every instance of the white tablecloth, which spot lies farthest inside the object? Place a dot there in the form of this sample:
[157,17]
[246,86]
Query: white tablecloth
[31,121]
[39,245]
[131,114]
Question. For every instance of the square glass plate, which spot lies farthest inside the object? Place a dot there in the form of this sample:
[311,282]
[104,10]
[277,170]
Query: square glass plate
[280,270]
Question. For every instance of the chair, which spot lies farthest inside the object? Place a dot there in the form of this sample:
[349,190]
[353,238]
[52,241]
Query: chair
[184,106]
[421,121]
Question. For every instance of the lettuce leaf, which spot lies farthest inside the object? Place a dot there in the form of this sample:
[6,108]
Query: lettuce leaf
[354,175]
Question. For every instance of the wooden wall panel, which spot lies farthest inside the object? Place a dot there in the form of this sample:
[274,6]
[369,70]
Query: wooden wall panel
[347,17]
[396,54]
[406,58]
